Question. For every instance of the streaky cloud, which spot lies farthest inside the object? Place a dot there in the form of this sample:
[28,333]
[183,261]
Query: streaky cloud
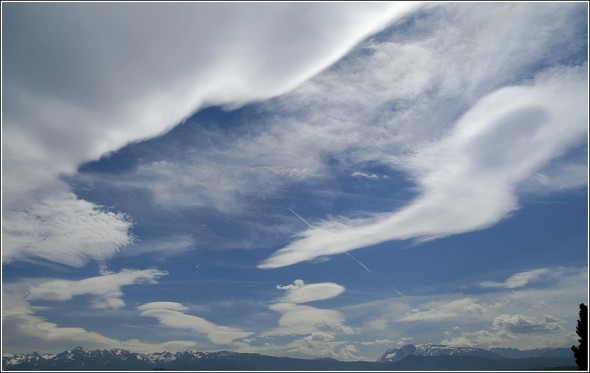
[468,179]
[518,280]
[106,288]
[19,318]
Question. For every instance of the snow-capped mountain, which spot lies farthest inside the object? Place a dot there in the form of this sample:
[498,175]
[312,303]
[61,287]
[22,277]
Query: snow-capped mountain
[79,358]
[398,354]
[22,360]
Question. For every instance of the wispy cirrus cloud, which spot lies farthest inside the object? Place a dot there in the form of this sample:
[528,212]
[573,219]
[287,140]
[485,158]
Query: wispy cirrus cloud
[165,246]
[64,229]
[369,176]
[468,179]
[385,103]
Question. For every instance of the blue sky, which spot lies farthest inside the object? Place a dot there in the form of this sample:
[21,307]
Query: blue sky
[294,179]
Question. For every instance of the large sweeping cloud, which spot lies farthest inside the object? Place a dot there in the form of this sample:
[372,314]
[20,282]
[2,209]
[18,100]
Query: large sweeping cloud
[82,80]
[467,180]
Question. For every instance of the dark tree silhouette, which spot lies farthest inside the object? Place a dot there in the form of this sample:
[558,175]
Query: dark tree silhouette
[581,352]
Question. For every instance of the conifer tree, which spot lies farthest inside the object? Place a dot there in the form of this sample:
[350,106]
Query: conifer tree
[581,351]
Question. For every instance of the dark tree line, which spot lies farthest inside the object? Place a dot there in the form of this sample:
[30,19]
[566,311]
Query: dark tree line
[581,351]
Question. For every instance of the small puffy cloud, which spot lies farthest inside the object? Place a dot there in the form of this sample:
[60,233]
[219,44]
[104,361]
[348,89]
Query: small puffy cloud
[106,289]
[517,280]
[320,336]
[349,353]
[508,330]
[322,344]
[480,338]
[522,324]
[299,292]
[468,321]
[170,314]
[474,308]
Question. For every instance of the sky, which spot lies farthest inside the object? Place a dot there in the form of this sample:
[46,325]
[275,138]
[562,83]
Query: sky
[293,179]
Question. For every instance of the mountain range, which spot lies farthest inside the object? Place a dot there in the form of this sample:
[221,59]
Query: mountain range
[408,357]
[398,354]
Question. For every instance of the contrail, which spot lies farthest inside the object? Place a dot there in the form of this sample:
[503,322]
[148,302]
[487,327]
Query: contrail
[399,292]
[346,252]
[356,260]
[303,220]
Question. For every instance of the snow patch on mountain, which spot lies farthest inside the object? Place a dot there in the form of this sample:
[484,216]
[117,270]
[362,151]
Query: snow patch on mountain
[398,354]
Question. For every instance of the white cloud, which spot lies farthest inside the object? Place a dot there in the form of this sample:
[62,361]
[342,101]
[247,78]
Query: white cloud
[170,314]
[297,319]
[106,288]
[315,331]
[321,344]
[172,306]
[517,280]
[444,310]
[223,174]
[64,229]
[380,342]
[468,179]
[315,344]
[502,318]
[385,99]
[300,320]
[513,330]
[27,331]
[75,90]
[365,175]
[475,308]
[165,246]
[299,292]
[562,175]
[481,339]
